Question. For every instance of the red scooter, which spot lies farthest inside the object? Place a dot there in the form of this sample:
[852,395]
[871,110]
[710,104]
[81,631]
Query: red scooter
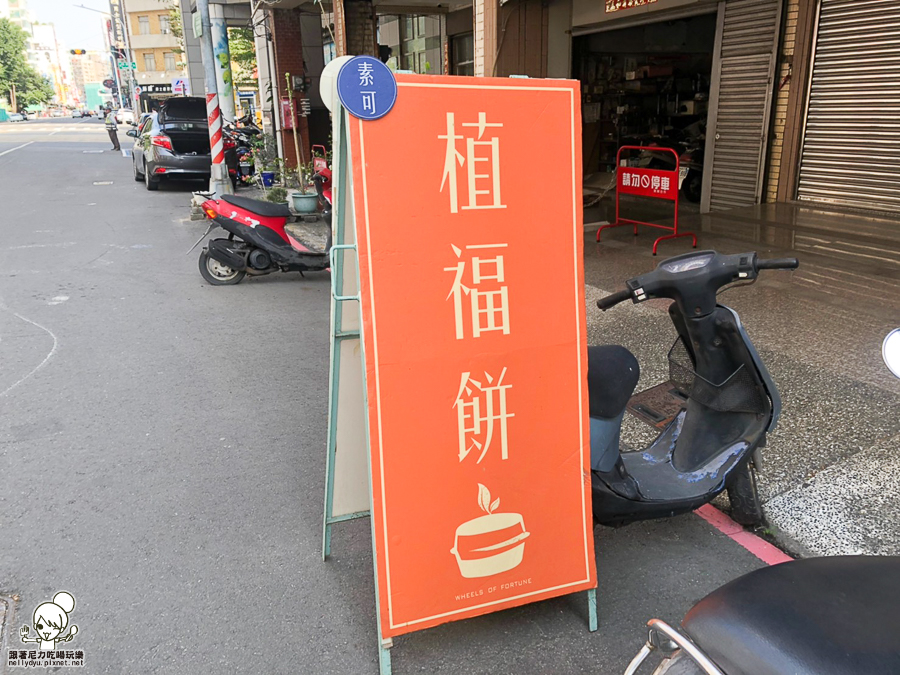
[257,241]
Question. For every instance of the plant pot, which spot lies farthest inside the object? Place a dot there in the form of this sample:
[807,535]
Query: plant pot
[305,203]
[268,178]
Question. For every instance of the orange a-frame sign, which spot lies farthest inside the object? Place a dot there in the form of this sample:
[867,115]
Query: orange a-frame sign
[469,236]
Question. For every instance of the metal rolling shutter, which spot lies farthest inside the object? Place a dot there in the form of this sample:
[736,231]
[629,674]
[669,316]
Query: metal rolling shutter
[851,148]
[738,125]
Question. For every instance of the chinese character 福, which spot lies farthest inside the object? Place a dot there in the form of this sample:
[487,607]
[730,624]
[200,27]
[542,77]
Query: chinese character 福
[489,306]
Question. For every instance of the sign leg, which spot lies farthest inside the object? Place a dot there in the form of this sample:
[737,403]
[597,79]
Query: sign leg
[337,272]
[384,657]
[592,610]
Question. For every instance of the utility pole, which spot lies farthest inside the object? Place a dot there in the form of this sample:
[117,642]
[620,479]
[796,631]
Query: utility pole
[219,182]
[12,97]
[132,65]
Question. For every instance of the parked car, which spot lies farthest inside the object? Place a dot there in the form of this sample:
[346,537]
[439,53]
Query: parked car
[124,115]
[57,113]
[77,114]
[16,117]
[175,142]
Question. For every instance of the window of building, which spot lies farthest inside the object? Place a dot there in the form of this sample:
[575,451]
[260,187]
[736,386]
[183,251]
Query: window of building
[144,25]
[462,49]
[170,60]
[149,62]
[164,24]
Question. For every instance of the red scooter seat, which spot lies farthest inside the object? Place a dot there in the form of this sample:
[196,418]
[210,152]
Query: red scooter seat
[258,207]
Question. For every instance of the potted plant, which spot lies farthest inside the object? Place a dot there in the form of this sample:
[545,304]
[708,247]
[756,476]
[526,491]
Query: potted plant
[265,157]
[306,198]
[277,195]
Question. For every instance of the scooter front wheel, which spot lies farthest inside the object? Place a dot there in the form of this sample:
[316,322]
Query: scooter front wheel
[746,508]
[218,274]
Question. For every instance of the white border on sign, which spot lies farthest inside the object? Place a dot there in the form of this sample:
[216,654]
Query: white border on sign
[579,343]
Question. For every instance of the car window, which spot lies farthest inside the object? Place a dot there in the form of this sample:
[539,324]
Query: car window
[145,127]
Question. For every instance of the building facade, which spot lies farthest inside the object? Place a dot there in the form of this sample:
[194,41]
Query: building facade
[90,68]
[157,54]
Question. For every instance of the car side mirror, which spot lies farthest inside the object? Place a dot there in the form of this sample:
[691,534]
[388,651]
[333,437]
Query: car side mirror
[132,132]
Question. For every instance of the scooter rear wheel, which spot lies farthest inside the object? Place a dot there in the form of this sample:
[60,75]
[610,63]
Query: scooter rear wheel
[218,274]
[746,508]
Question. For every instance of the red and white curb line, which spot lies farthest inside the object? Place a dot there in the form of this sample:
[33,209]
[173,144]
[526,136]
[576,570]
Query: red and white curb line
[762,549]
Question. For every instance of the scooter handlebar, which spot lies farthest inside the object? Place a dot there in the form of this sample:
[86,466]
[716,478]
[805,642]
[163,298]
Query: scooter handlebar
[614,299]
[778,264]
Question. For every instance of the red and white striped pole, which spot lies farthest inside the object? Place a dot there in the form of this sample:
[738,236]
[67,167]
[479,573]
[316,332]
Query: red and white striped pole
[214,117]
[218,179]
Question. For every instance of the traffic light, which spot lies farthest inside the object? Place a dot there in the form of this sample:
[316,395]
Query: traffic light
[78,52]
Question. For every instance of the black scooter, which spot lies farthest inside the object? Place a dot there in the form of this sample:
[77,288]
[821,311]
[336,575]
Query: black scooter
[820,616]
[720,399]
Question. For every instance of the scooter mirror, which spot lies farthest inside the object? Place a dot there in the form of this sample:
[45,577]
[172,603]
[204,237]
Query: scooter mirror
[890,351]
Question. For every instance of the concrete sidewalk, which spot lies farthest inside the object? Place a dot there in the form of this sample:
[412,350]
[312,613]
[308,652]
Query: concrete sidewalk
[831,474]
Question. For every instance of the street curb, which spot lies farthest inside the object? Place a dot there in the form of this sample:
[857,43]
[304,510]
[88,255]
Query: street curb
[769,554]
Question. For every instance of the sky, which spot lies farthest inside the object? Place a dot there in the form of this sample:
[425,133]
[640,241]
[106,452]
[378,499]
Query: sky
[75,28]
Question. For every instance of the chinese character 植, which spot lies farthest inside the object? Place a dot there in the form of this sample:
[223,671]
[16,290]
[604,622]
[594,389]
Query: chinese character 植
[488,299]
[480,405]
[487,152]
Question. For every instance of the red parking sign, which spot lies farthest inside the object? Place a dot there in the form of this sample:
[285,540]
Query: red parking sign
[648,183]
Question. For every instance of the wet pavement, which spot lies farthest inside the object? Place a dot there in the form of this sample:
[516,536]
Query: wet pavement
[831,467]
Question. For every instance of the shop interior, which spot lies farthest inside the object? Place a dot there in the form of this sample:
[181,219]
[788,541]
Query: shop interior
[649,86]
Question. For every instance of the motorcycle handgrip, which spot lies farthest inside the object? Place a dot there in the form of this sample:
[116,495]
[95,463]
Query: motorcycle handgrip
[614,299]
[778,264]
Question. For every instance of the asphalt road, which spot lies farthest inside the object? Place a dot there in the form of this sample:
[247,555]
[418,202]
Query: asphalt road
[162,456]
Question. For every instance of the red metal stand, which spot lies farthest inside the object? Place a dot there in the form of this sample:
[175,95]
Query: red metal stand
[653,183]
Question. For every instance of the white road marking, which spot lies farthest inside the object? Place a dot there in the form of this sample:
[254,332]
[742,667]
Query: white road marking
[126,153]
[58,299]
[62,244]
[42,363]
[6,152]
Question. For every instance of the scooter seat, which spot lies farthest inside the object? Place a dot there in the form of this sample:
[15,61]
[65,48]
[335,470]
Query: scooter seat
[258,207]
[821,616]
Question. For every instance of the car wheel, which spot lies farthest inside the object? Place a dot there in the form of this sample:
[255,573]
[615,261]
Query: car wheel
[151,183]
[218,274]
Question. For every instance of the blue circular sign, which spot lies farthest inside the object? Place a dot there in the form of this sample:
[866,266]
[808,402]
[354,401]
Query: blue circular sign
[367,87]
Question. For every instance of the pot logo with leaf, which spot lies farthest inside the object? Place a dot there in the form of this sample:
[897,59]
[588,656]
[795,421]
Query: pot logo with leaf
[492,543]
